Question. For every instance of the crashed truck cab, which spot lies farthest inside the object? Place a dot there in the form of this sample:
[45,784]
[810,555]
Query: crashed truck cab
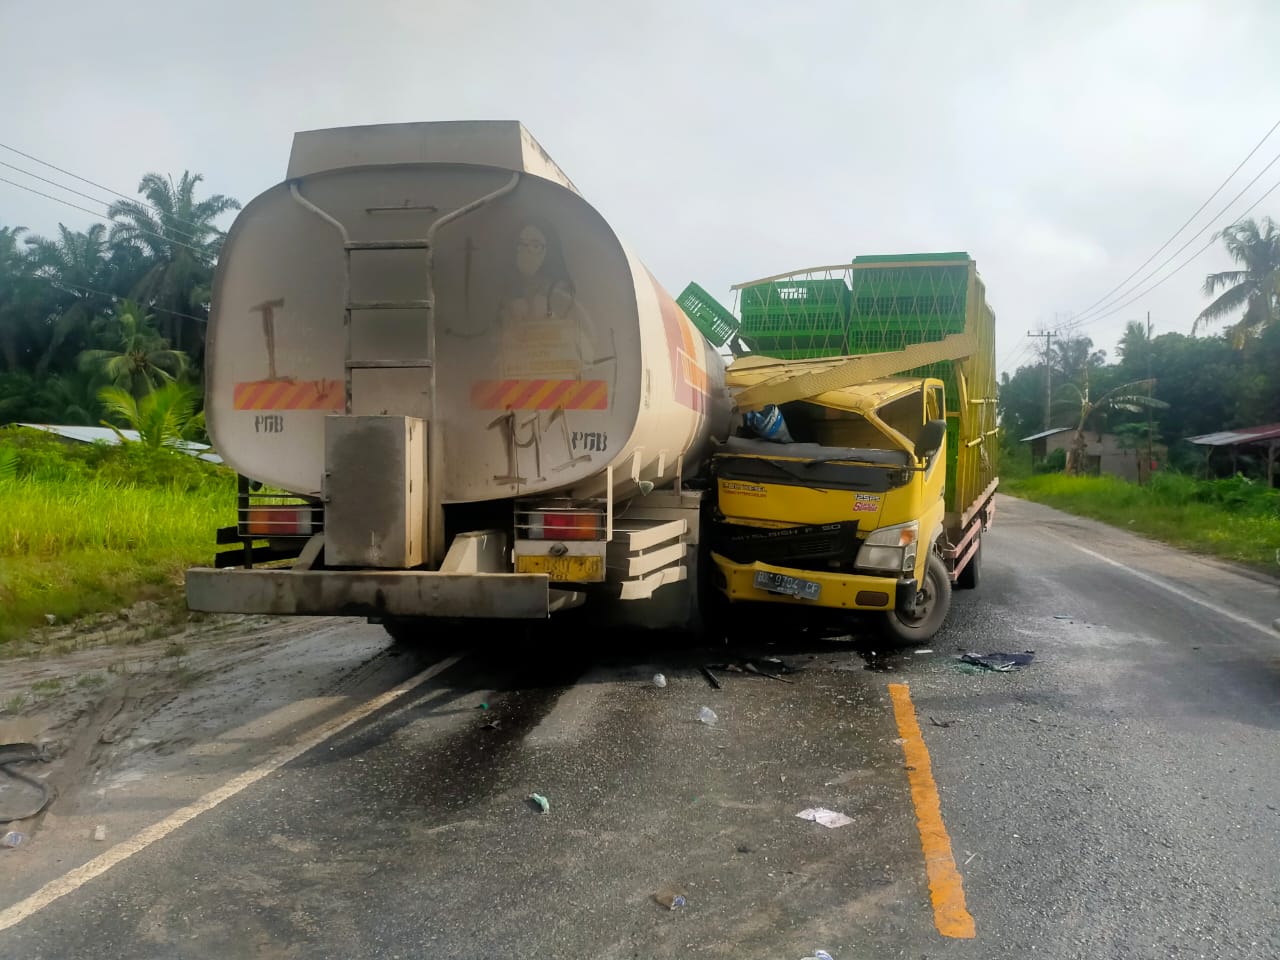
[441,377]
[846,514]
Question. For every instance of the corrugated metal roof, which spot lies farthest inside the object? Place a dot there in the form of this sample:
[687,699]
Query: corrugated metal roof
[1234,438]
[107,435]
[1044,433]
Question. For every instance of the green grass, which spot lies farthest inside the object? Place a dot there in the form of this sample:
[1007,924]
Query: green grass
[1234,519]
[85,530]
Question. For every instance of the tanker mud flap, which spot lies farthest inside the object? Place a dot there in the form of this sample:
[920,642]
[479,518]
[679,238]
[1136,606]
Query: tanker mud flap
[374,594]
[905,603]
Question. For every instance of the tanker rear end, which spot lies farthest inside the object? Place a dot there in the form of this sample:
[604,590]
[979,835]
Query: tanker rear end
[441,374]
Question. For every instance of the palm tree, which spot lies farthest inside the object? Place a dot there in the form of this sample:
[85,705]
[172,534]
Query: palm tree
[179,236]
[141,360]
[76,268]
[1256,287]
[163,417]
[1123,397]
[14,268]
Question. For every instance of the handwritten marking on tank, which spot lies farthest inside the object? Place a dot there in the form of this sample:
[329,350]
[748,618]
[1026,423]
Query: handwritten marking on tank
[596,441]
[289,395]
[267,308]
[268,423]
[540,394]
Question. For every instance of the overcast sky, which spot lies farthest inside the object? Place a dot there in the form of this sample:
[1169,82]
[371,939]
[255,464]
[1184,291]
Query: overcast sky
[1059,143]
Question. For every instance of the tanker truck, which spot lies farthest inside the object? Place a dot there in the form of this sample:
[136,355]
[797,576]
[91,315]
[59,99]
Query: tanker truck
[451,392]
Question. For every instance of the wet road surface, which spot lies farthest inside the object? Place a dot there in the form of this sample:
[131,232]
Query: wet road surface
[1115,798]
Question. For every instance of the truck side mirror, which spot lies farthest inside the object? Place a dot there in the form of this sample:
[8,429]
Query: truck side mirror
[930,440]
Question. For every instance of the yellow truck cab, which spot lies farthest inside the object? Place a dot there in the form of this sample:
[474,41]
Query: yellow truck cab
[848,516]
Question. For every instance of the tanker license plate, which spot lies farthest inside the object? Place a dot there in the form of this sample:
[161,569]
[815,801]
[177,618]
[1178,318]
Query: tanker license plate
[563,569]
[791,586]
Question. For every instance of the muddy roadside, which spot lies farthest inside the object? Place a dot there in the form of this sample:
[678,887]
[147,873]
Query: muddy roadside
[138,714]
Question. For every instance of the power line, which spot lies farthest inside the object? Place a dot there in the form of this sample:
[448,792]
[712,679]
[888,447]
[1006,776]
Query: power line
[1081,318]
[92,183]
[63,186]
[113,297]
[1175,233]
[95,213]
[1118,307]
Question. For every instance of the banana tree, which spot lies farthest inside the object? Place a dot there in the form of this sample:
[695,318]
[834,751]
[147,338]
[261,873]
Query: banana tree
[1124,397]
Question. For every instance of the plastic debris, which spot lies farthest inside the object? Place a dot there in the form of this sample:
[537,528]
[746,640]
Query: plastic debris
[1000,662]
[670,898]
[708,716]
[483,706]
[493,724]
[819,955]
[99,833]
[50,619]
[828,818]
[659,681]
[926,650]
[540,801]
[13,839]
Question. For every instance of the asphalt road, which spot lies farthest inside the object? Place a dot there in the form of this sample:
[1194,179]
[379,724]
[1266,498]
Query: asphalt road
[1115,798]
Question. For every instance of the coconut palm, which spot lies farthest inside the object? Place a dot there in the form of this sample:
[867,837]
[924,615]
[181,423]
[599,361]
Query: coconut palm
[179,236]
[140,359]
[1256,287]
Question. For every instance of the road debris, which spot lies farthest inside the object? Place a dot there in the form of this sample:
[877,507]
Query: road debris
[1063,616]
[925,650]
[942,723]
[819,955]
[1000,662]
[752,668]
[708,716]
[670,898]
[99,833]
[12,839]
[11,753]
[493,724]
[828,818]
[541,802]
[659,681]
[711,678]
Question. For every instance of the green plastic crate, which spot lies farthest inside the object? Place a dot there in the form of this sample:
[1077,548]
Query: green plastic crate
[715,322]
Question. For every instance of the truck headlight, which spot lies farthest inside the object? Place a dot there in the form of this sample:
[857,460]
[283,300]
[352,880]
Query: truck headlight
[891,549]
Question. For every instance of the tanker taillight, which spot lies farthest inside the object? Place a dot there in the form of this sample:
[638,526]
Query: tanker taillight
[565,539]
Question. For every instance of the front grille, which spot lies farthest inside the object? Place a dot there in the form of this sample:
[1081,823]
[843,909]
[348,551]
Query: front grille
[811,546]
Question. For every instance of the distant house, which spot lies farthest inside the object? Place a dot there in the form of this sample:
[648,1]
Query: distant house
[1103,453]
[78,434]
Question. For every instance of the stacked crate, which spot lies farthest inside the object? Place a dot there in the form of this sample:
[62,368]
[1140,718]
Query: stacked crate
[796,319]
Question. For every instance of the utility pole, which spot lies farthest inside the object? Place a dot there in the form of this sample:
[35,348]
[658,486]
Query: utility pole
[1048,373]
[1150,393]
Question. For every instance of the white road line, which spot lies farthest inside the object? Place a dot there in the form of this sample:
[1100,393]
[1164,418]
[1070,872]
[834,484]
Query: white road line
[122,851]
[1177,591]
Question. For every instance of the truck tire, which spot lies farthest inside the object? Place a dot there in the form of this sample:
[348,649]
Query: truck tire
[971,575]
[931,607]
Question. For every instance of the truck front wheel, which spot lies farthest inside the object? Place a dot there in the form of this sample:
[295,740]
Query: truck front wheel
[932,603]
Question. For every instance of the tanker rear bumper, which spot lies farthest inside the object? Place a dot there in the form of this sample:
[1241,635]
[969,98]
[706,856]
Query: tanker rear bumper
[373,593]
